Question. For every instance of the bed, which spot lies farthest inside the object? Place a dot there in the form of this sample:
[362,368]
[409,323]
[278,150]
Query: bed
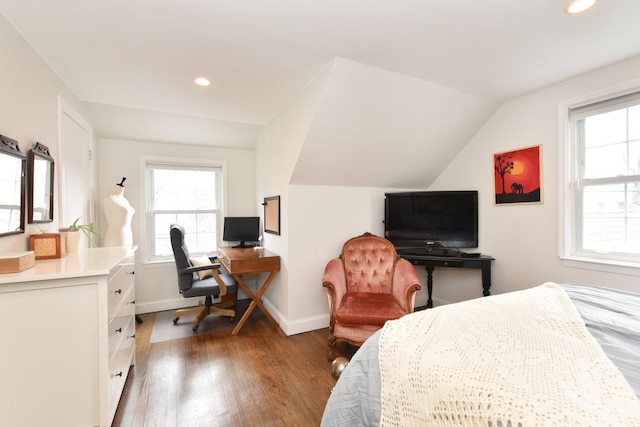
[589,375]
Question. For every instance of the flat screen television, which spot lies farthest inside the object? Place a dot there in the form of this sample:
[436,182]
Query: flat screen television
[422,218]
[243,229]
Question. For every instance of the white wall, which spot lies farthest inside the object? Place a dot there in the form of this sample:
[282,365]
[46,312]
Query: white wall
[523,238]
[276,156]
[29,110]
[156,286]
[369,118]
[322,218]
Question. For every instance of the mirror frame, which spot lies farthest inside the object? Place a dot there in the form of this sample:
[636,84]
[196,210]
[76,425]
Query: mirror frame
[11,147]
[41,152]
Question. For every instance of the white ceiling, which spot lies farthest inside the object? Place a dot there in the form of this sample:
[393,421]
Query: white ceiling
[259,54]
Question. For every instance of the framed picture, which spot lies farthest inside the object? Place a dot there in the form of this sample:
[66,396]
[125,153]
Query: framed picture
[518,176]
[272,214]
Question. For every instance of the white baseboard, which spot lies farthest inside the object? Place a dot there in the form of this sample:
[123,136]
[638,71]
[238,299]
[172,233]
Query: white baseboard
[298,326]
[307,324]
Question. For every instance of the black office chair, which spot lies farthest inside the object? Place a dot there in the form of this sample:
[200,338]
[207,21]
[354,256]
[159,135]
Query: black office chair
[216,285]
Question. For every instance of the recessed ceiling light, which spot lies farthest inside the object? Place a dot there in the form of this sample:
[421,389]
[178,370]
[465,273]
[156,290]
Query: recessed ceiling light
[578,6]
[201,81]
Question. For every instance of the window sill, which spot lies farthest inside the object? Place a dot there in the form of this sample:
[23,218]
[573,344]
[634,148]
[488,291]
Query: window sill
[604,265]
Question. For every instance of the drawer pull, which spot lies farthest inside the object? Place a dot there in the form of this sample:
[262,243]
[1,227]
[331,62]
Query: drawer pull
[119,331]
[131,272]
[132,336]
[118,291]
[132,302]
[119,374]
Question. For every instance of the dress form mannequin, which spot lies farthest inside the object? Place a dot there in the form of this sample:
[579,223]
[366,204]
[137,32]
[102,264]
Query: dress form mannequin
[118,212]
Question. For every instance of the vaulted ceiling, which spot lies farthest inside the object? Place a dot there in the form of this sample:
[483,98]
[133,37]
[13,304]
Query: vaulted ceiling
[259,54]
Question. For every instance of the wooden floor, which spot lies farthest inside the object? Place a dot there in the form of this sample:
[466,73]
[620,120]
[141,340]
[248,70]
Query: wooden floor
[259,377]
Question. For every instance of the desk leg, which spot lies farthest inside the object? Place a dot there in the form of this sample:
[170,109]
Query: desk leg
[486,278]
[429,285]
[255,301]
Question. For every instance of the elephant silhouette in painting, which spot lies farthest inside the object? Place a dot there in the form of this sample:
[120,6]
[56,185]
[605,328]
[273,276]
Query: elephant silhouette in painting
[517,188]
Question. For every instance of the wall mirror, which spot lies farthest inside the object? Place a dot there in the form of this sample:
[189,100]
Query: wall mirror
[12,186]
[40,184]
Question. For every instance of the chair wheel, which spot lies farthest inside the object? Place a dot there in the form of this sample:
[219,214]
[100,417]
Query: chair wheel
[176,320]
[195,328]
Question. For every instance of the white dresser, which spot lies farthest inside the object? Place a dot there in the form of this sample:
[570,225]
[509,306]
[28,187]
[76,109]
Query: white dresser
[67,339]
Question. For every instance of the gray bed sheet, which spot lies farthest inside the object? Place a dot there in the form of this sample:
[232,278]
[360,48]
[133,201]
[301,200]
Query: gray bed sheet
[611,316]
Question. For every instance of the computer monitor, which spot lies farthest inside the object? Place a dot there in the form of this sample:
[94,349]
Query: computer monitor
[241,229]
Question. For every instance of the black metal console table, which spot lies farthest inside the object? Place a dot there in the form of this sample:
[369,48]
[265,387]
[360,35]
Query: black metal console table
[482,262]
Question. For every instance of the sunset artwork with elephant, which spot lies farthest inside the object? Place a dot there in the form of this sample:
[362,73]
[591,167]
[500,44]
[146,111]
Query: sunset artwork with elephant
[517,176]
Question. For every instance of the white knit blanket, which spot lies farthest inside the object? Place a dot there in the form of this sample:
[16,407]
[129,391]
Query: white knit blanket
[520,359]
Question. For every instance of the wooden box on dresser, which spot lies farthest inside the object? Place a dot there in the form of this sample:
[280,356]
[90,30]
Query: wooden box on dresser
[67,334]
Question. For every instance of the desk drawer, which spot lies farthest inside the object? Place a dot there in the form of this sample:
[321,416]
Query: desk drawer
[250,264]
[224,260]
[441,262]
[451,263]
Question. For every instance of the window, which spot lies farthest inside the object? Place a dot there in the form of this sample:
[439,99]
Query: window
[185,193]
[602,180]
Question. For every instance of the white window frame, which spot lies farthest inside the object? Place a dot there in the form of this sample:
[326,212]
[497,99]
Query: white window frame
[145,218]
[568,186]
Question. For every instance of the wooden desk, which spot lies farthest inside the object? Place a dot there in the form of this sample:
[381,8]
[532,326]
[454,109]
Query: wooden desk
[250,261]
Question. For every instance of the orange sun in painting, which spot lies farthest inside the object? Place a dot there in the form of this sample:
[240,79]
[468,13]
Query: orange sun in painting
[518,168]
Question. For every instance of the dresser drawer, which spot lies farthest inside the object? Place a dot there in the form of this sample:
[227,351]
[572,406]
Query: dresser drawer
[119,361]
[120,280]
[120,319]
[119,364]
[117,329]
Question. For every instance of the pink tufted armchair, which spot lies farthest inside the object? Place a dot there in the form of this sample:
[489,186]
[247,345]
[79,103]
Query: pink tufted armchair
[366,286]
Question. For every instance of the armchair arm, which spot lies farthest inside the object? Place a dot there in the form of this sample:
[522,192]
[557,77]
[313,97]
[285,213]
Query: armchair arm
[405,284]
[334,282]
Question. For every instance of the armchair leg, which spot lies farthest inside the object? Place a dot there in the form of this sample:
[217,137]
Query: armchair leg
[332,348]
